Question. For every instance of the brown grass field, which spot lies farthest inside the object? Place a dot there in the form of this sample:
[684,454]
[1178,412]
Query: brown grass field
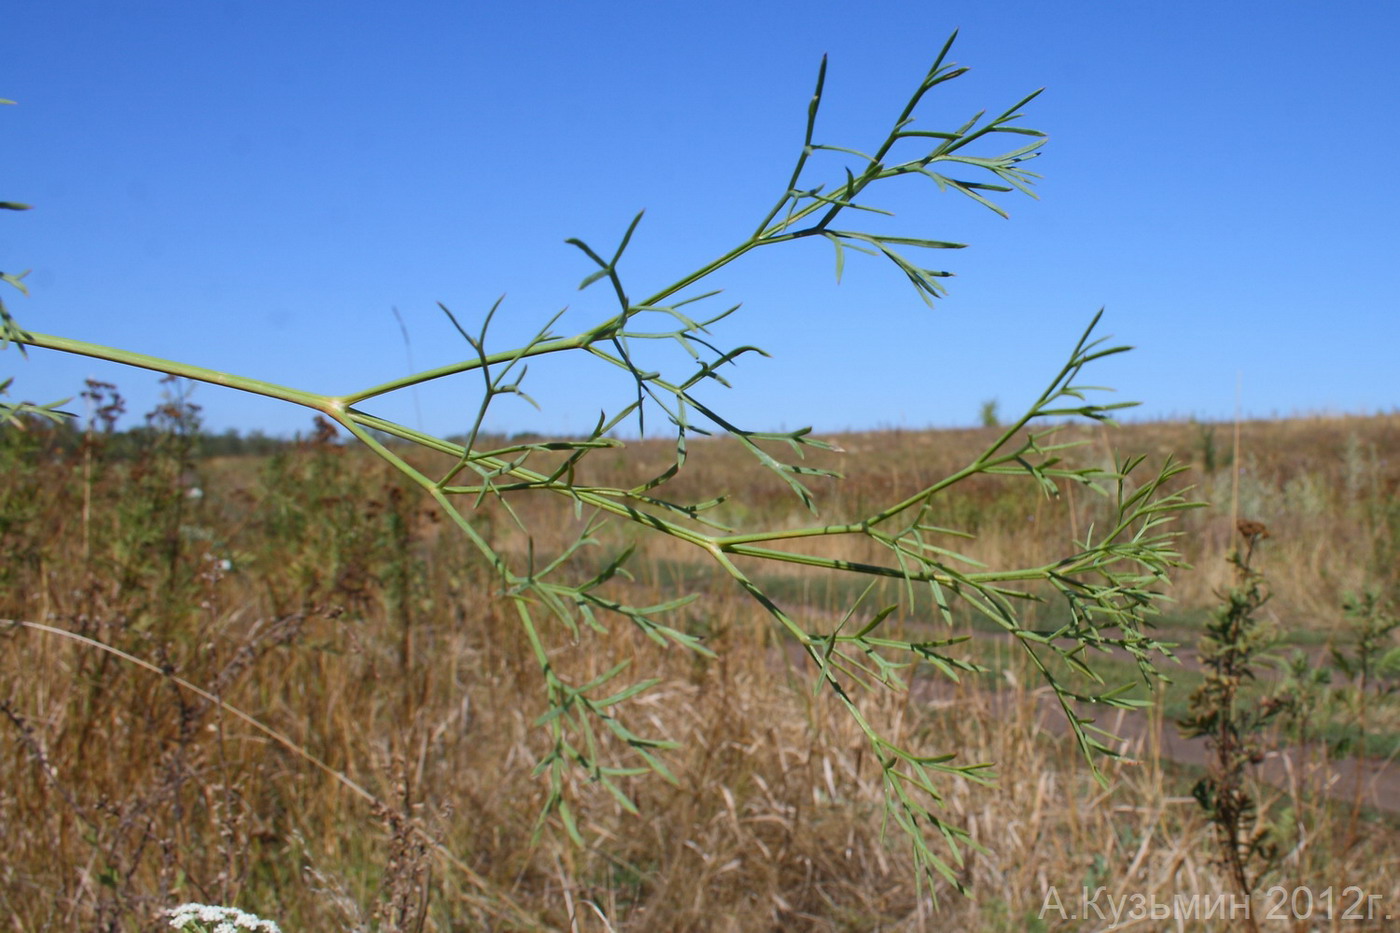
[383,776]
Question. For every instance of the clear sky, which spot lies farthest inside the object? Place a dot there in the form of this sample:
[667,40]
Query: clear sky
[254,186]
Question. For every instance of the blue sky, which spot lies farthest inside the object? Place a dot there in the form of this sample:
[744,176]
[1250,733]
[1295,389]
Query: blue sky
[253,186]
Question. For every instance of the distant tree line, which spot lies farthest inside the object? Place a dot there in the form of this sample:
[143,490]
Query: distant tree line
[69,435]
[174,414]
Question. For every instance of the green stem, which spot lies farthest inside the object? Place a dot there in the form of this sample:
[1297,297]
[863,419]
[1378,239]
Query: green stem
[324,403]
[452,369]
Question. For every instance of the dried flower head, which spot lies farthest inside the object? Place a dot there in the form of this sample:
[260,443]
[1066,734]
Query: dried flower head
[1252,529]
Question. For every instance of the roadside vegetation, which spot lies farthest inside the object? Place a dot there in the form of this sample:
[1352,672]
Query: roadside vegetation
[380,679]
[311,589]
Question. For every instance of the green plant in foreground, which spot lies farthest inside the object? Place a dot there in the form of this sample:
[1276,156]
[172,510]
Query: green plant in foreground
[1233,725]
[1372,665]
[1109,581]
[13,413]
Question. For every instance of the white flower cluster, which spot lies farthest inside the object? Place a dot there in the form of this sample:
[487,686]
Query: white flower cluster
[211,919]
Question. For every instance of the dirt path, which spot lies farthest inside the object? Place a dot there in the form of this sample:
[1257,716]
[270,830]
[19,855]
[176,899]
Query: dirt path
[1288,770]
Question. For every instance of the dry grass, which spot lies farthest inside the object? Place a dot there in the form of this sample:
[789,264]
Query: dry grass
[353,623]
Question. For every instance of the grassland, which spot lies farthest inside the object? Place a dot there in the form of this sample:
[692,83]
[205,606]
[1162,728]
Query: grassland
[388,785]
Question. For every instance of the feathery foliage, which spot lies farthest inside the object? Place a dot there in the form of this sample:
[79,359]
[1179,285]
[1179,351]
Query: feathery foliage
[1109,581]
